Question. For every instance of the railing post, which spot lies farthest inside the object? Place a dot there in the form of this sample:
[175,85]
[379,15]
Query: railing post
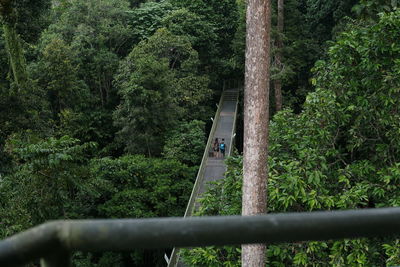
[60,258]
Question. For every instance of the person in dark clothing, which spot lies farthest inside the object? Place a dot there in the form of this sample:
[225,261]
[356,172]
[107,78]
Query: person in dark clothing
[216,148]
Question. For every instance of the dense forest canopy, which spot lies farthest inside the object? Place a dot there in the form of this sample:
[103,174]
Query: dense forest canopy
[105,107]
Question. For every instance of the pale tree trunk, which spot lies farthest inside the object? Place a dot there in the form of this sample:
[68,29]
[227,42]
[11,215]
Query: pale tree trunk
[16,55]
[278,56]
[13,43]
[256,117]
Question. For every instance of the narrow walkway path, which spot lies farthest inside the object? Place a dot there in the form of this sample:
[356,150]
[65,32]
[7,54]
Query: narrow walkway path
[211,168]
[215,167]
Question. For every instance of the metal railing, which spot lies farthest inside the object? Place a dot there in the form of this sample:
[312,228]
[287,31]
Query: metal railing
[200,175]
[174,258]
[236,84]
[55,241]
[233,133]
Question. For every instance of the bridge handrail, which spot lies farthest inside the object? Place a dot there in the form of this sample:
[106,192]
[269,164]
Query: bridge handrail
[173,260]
[200,173]
[54,241]
[234,125]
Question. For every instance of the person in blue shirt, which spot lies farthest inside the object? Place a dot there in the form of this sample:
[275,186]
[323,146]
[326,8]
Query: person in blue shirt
[222,147]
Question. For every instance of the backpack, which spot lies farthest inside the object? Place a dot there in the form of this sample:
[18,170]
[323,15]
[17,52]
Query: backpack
[222,146]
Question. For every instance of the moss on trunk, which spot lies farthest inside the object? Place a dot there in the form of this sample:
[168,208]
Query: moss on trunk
[16,55]
[13,43]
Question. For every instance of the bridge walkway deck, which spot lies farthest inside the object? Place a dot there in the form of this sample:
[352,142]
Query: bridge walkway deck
[213,168]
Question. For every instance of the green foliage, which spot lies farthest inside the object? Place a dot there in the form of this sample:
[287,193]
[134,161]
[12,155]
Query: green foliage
[369,9]
[32,18]
[222,198]
[14,14]
[237,59]
[20,112]
[222,16]
[324,15]
[365,82]
[147,19]
[308,25]
[186,143]
[56,179]
[81,50]
[393,252]
[96,125]
[159,84]
[3,61]
[99,260]
[136,3]
[57,74]
[141,187]
[50,181]
[99,34]
[16,56]
[27,15]
[341,152]
[200,33]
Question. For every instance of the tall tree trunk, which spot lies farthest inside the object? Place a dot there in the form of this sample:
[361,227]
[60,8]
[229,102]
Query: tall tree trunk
[256,118]
[16,55]
[278,56]
[13,43]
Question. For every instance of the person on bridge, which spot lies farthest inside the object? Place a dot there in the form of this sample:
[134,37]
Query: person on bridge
[222,148]
[216,148]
